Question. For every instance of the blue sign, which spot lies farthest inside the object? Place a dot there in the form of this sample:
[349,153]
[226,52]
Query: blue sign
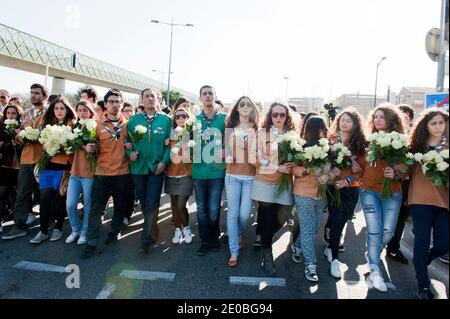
[436,99]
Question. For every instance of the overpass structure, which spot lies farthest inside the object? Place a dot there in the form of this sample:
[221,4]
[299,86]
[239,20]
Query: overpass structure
[22,51]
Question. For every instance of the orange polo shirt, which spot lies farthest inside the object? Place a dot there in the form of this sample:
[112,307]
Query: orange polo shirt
[112,159]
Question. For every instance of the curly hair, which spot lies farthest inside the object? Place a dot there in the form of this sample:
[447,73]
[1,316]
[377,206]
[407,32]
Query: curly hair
[233,119]
[268,123]
[392,116]
[357,142]
[420,134]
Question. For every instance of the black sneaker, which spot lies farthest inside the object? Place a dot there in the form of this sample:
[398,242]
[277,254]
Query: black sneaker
[89,251]
[203,250]
[425,294]
[14,233]
[398,256]
[257,243]
[110,239]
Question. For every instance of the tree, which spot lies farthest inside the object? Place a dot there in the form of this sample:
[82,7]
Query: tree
[174,95]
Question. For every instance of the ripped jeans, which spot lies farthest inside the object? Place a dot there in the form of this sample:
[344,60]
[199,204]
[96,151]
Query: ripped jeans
[381,218]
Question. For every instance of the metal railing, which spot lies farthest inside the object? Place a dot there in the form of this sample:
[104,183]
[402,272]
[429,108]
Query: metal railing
[23,46]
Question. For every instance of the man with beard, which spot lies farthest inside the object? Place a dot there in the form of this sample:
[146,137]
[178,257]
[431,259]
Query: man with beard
[31,154]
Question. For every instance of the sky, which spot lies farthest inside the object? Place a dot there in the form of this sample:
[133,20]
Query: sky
[242,47]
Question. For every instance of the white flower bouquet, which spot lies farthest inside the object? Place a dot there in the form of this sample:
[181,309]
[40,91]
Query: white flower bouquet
[290,149]
[434,166]
[391,148]
[316,158]
[85,132]
[29,134]
[55,139]
[342,159]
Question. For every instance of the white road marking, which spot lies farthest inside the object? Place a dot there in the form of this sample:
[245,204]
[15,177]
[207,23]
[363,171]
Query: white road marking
[258,281]
[147,275]
[107,291]
[27,265]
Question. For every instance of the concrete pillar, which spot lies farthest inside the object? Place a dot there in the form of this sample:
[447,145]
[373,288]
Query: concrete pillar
[59,86]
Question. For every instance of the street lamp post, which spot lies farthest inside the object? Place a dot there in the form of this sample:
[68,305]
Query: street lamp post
[162,76]
[287,87]
[376,82]
[171,24]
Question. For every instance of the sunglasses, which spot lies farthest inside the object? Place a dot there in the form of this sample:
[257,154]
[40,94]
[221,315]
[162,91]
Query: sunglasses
[2,97]
[278,115]
[181,116]
[244,104]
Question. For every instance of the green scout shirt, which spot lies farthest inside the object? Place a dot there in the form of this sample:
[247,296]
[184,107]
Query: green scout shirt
[152,152]
[204,170]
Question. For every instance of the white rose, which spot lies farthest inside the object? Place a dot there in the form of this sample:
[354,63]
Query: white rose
[444,154]
[323,142]
[429,156]
[175,150]
[396,144]
[418,157]
[442,166]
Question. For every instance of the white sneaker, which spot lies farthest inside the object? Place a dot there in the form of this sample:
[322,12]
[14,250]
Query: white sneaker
[177,236]
[30,219]
[328,254]
[39,238]
[377,281]
[187,234]
[72,238]
[335,269]
[56,235]
[82,240]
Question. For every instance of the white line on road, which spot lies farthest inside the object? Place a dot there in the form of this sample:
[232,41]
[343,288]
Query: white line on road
[107,291]
[147,275]
[257,281]
[27,265]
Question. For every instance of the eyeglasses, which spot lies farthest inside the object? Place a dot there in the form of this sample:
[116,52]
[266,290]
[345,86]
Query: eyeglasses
[3,97]
[278,115]
[181,116]
[244,104]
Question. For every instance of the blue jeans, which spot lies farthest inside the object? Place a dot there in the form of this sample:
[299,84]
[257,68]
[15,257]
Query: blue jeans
[426,218]
[240,207]
[309,212]
[208,196]
[148,188]
[76,186]
[381,218]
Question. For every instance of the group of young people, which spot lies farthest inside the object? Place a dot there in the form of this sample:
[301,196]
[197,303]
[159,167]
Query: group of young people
[205,153]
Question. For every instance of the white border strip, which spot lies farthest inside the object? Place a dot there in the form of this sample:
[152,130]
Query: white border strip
[27,265]
[107,291]
[257,281]
[147,275]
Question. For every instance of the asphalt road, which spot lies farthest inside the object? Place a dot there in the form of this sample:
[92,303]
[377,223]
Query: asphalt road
[176,272]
